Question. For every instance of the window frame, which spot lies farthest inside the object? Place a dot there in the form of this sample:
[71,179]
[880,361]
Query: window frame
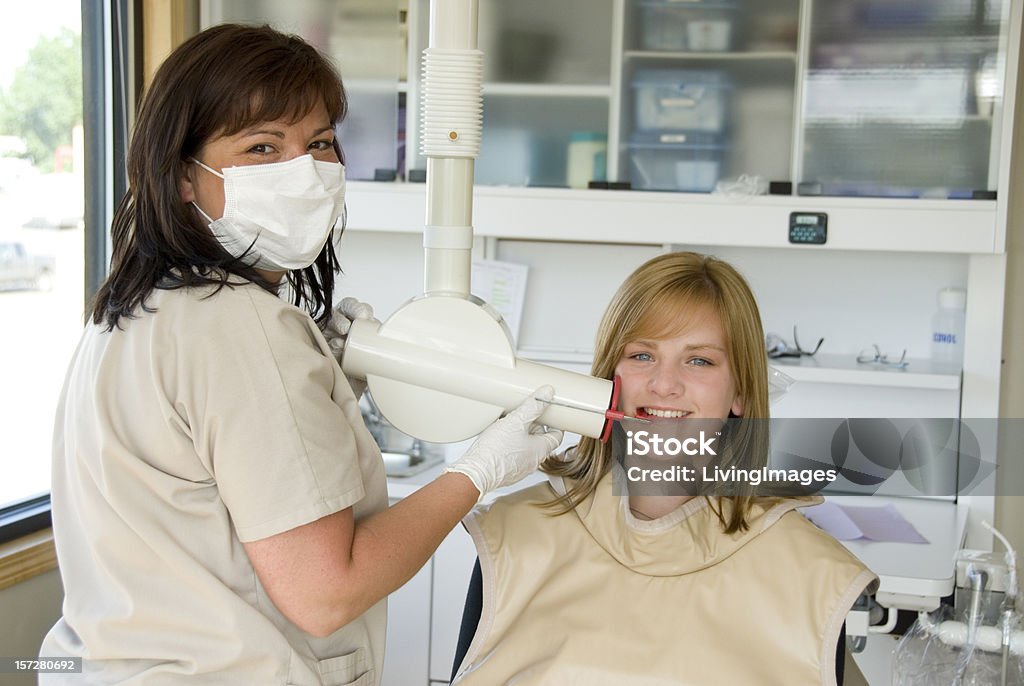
[111,79]
[24,517]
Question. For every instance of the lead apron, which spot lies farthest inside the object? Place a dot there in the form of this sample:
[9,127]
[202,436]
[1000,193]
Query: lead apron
[598,597]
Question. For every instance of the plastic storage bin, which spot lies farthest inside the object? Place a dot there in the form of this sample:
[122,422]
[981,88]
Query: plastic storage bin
[675,161]
[685,26]
[681,99]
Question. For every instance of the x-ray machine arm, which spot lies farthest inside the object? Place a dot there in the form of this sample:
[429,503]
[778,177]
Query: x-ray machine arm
[443,366]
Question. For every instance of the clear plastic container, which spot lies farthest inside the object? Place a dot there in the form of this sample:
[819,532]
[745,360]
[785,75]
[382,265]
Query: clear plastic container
[675,162]
[681,99]
[948,327]
[695,25]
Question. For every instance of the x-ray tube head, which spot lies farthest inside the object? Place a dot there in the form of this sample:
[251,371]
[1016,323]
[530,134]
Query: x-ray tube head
[443,368]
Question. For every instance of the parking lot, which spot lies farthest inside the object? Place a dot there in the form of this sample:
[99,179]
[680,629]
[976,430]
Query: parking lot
[39,333]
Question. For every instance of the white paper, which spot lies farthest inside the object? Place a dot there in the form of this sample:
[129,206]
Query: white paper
[503,286]
[875,523]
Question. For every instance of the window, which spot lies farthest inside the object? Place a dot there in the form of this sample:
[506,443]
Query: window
[41,237]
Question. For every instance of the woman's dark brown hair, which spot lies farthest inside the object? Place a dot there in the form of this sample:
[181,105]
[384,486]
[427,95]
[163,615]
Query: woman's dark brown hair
[217,83]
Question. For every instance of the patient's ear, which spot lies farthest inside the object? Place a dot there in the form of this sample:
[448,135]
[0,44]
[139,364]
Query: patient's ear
[737,406]
[185,189]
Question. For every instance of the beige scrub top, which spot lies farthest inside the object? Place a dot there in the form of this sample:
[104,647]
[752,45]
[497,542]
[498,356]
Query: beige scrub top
[219,419]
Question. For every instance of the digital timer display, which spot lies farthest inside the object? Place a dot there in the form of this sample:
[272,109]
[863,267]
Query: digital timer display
[808,228]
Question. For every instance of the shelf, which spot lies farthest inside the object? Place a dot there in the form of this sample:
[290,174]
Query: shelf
[929,35]
[844,369]
[862,120]
[710,56]
[402,487]
[548,90]
[697,219]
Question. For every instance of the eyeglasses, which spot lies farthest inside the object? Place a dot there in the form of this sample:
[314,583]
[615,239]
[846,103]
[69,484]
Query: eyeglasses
[882,358]
[782,349]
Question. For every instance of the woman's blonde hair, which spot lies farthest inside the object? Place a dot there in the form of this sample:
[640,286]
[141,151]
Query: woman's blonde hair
[657,301]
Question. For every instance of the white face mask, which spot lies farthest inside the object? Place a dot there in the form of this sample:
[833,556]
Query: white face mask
[284,210]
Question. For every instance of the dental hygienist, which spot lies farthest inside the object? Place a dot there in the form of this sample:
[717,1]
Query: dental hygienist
[219,508]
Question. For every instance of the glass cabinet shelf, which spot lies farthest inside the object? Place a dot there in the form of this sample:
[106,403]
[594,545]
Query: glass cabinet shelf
[544,90]
[709,56]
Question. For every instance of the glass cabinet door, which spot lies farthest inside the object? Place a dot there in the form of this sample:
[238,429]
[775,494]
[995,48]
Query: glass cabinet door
[902,97]
[366,42]
[708,92]
[546,89]
[892,98]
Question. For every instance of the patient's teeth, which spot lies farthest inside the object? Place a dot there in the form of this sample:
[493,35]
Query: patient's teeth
[666,414]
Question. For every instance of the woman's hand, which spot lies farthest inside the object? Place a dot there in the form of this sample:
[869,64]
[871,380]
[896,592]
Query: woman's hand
[336,331]
[511,448]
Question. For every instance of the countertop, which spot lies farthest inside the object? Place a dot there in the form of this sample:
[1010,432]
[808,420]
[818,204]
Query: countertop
[401,486]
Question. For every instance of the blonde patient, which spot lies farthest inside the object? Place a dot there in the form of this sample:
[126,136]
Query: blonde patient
[586,582]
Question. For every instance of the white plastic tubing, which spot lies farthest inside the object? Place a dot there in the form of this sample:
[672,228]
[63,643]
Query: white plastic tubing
[988,638]
[452,115]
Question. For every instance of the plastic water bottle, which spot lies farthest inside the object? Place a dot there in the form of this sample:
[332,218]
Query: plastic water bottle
[948,327]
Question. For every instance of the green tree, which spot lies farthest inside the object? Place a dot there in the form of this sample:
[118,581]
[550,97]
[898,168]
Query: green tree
[44,101]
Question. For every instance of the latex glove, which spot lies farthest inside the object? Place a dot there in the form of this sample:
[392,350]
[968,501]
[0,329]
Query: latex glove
[511,448]
[346,312]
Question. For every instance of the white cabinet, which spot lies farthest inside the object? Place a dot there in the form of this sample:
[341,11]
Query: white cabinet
[875,98]
[706,91]
[904,98]
[407,652]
